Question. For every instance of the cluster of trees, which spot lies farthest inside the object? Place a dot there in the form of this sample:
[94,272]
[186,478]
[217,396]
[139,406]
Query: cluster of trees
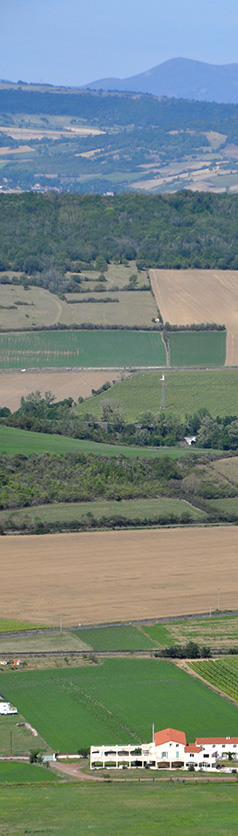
[30,525]
[43,414]
[48,478]
[191,650]
[47,235]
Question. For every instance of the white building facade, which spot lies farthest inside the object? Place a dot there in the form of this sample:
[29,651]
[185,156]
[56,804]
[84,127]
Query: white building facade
[169,750]
[7,708]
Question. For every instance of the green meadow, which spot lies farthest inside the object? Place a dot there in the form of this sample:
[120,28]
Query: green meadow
[186,393]
[26,773]
[14,441]
[197,348]
[138,809]
[16,739]
[132,509]
[118,637]
[116,700]
[58,349]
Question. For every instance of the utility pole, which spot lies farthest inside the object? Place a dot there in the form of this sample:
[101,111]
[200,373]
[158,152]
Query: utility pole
[218,598]
[163,399]
[11,742]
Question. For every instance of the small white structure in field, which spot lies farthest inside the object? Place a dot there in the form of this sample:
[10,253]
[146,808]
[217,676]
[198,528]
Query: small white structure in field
[7,708]
[190,439]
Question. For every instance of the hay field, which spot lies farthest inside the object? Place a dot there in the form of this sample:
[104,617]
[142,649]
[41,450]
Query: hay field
[111,576]
[187,296]
[22,309]
[125,308]
[73,384]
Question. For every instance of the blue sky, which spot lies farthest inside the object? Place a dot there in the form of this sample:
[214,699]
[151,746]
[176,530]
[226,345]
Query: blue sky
[72,42]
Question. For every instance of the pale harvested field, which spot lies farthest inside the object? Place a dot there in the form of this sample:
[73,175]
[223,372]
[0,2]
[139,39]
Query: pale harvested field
[73,384]
[5,151]
[34,307]
[40,133]
[111,576]
[187,296]
[24,308]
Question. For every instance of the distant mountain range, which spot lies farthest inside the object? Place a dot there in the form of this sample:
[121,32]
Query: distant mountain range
[181,78]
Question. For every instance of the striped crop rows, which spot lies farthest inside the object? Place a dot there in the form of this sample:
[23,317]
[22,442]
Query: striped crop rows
[222,673]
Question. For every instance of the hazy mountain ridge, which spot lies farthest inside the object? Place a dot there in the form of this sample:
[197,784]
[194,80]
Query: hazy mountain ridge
[181,78]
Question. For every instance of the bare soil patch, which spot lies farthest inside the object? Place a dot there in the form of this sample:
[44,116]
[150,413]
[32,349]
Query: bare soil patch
[73,384]
[111,576]
[194,296]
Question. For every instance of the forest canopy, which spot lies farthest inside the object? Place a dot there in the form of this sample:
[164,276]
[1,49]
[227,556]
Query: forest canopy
[68,232]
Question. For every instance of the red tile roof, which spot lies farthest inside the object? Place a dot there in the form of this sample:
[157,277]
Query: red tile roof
[206,740]
[191,747]
[170,736]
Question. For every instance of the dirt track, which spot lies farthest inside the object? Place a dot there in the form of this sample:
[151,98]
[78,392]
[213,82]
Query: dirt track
[14,385]
[111,576]
[187,296]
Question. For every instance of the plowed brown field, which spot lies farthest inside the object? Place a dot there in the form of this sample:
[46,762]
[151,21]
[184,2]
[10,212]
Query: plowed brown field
[73,384]
[110,576]
[187,296]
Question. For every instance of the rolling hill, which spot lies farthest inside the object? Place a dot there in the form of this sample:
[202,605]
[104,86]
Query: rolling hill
[181,78]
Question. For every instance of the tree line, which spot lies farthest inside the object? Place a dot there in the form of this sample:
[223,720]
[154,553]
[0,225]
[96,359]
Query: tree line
[46,235]
[43,414]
